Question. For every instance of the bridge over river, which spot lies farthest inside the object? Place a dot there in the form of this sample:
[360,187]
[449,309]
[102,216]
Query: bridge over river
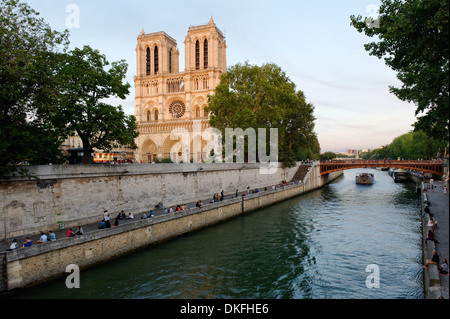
[434,167]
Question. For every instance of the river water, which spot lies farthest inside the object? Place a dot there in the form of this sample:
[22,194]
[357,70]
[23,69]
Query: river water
[316,246]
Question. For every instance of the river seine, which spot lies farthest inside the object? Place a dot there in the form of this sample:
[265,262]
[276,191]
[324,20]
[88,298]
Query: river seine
[344,241]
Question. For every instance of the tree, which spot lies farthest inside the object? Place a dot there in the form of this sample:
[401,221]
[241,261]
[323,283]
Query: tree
[412,145]
[327,156]
[28,86]
[414,42]
[86,84]
[250,96]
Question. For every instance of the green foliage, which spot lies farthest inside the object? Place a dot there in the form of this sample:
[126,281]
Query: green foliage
[414,42]
[28,87]
[163,160]
[327,156]
[47,93]
[412,145]
[85,85]
[250,96]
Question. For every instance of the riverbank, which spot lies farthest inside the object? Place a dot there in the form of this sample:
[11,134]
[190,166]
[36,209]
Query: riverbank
[32,265]
[74,194]
[301,249]
[436,286]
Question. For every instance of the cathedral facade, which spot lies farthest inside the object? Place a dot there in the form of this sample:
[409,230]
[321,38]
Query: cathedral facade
[168,100]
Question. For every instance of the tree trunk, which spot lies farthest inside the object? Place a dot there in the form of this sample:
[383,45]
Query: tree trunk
[87,150]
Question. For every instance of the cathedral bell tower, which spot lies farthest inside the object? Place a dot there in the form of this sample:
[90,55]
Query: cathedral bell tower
[205,48]
[167,99]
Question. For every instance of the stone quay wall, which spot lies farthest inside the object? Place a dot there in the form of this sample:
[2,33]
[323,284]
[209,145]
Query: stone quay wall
[76,194]
[24,267]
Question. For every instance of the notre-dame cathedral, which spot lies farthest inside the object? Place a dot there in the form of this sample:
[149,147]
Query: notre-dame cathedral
[167,99]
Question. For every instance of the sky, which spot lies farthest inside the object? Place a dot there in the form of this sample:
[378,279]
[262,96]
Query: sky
[311,41]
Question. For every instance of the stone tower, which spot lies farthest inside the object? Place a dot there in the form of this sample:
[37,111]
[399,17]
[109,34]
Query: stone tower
[167,99]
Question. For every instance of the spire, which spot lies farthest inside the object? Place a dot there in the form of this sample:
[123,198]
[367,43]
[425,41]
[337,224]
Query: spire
[142,32]
[211,21]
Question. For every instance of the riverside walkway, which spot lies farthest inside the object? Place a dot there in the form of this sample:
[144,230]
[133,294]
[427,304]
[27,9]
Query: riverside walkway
[206,202]
[439,207]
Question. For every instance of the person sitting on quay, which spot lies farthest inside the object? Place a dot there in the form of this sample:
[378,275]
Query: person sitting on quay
[102,225]
[433,261]
[199,204]
[14,245]
[70,233]
[42,239]
[431,236]
[144,216]
[130,216]
[433,223]
[51,236]
[426,210]
[121,215]
[151,214]
[107,220]
[79,231]
[443,269]
[27,242]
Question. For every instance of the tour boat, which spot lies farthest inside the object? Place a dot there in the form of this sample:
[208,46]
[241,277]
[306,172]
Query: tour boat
[400,176]
[364,179]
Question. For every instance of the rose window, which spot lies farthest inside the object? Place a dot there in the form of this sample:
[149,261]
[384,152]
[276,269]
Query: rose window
[177,109]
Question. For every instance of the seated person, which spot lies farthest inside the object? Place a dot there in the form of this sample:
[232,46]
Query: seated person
[433,261]
[27,242]
[431,236]
[14,245]
[79,231]
[70,233]
[102,225]
[121,215]
[51,236]
[443,270]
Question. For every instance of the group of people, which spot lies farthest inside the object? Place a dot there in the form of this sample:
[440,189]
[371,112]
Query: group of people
[106,220]
[44,238]
[432,223]
[443,268]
